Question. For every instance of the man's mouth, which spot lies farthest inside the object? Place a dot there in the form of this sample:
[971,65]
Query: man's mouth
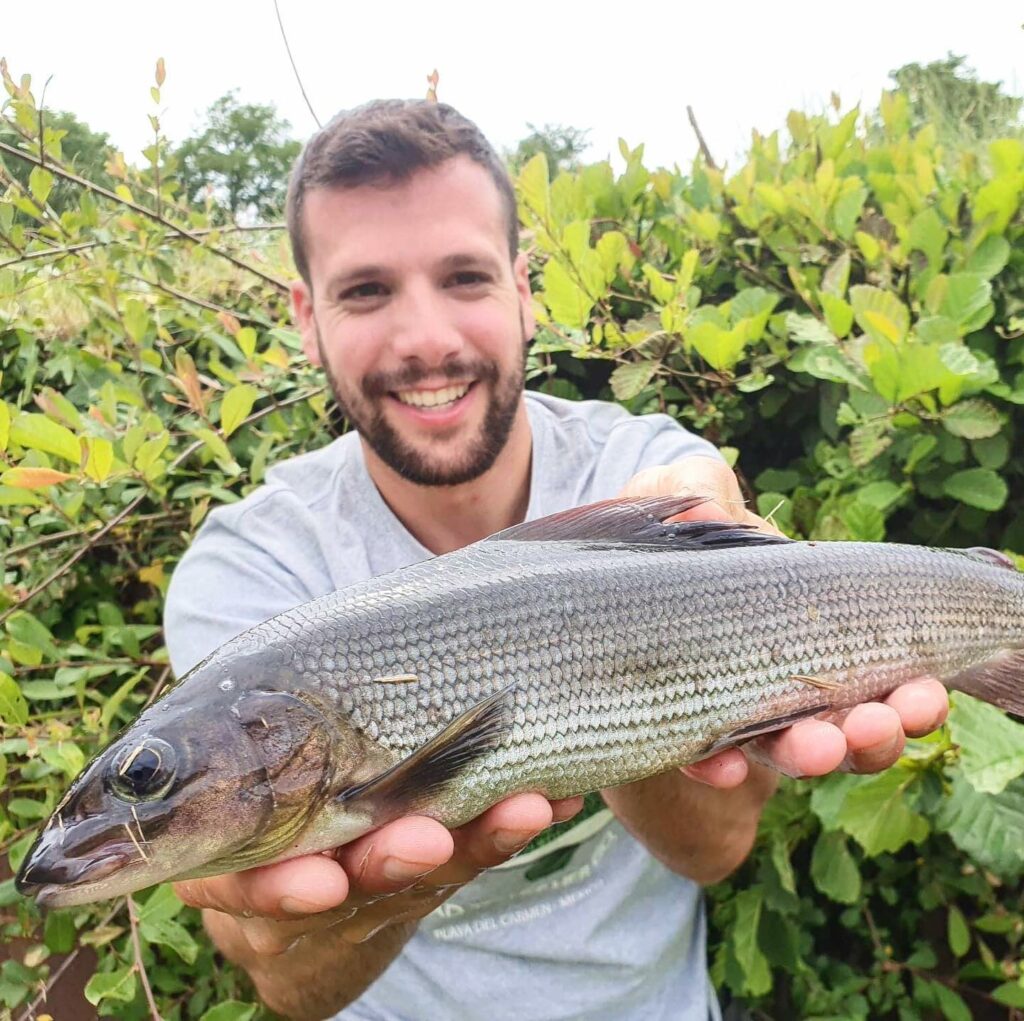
[440,398]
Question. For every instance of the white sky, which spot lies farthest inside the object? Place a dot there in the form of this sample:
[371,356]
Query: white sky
[615,68]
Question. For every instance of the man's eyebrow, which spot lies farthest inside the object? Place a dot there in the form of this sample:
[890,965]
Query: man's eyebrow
[461,260]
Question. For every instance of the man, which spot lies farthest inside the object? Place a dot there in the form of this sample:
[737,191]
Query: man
[417,305]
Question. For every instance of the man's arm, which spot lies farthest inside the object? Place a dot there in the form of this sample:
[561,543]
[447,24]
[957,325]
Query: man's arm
[701,821]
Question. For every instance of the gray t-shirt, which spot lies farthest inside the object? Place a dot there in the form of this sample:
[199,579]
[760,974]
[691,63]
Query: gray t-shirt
[611,933]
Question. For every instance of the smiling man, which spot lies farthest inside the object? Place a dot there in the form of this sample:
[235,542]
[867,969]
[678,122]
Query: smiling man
[415,300]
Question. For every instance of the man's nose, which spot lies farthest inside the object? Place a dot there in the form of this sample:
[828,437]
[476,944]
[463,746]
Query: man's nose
[423,327]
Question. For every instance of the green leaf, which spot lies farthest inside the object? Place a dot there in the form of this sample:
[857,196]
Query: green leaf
[868,442]
[880,314]
[809,329]
[991,744]
[13,707]
[26,628]
[1010,993]
[827,362]
[977,487]
[834,870]
[5,425]
[864,522]
[957,933]
[236,406]
[65,756]
[967,296]
[846,211]
[245,338]
[928,234]
[628,380]
[743,938]
[162,905]
[533,187]
[988,827]
[719,347]
[59,933]
[837,276]
[136,319]
[951,1003]
[973,419]
[26,808]
[838,314]
[568,303]
[40,183]
[990,257]
[37,432]
[875,812]
[168,933]
[231,1010]
[111,985]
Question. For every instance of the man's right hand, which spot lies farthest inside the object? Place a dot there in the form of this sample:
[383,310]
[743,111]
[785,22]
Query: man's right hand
[396,874]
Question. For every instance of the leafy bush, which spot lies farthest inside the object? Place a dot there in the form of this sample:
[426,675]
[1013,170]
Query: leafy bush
[843,315]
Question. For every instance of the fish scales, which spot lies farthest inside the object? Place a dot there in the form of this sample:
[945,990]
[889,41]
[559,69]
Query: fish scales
[627,661]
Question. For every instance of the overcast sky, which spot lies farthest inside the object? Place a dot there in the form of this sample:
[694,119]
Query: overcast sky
[616,69]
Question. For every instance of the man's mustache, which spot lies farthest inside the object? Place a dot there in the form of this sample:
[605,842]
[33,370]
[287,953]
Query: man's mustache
[380,384]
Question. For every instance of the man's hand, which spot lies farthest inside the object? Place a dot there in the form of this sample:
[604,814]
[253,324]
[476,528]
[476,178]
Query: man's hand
[385,880]
[865,739]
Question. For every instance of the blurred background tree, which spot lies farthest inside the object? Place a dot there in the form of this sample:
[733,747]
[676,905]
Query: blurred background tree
[561,145]
[240,160]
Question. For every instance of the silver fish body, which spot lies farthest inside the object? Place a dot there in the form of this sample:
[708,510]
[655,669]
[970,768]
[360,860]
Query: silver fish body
[563,656]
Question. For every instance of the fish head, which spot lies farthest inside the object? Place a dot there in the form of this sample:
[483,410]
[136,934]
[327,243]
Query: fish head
[188,790]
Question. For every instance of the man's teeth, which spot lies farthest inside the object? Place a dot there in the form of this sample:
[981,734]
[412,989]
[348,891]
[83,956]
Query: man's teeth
[432,398]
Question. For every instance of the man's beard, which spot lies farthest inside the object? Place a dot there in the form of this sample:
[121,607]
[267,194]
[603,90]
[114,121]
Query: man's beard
[365,415]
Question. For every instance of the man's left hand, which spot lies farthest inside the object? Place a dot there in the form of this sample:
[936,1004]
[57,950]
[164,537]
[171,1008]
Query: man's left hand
[866,739]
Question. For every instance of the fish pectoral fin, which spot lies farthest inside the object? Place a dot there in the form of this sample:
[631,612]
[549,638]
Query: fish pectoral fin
[641,521]
[999,681]
[427,770]
[821,683]
[751,730]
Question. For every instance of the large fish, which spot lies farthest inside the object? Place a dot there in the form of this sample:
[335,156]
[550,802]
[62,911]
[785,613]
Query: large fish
[581,651]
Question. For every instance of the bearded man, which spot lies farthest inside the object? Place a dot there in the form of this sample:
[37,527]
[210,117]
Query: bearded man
[416,302]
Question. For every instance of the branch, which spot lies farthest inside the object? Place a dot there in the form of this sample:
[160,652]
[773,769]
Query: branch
[705,151]
[59,572]
[148,213]
[133,920]
[280,23]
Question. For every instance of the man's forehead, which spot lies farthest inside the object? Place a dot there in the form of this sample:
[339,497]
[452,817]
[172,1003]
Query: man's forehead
[455,208]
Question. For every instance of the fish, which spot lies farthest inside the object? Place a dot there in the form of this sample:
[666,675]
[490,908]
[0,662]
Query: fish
[582,651]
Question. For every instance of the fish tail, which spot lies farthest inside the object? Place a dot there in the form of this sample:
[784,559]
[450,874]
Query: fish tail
[999,680]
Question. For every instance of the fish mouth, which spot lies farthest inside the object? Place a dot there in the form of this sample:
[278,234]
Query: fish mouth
[56,878]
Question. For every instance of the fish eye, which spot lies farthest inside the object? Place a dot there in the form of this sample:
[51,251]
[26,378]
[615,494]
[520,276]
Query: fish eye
[143,771]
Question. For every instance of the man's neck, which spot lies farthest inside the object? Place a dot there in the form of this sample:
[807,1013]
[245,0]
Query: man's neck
[446,518]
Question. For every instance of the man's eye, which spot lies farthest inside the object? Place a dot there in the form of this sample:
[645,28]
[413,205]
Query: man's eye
[467,278]
[363,291]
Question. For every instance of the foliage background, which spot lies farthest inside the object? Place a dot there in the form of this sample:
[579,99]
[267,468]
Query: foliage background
[843,315]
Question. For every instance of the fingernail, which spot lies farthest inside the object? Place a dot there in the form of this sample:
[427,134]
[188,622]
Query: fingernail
[508,841]
[298,906]
[400,871]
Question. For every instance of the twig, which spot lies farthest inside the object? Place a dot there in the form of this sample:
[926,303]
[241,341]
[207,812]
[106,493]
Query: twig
[302,89]
[148,213]
[59,572]
[157,688]
[72,533]
[76,663]
[133,921]
[705,151]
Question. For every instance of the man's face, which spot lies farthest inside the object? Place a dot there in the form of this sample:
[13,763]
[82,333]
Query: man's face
[418,318]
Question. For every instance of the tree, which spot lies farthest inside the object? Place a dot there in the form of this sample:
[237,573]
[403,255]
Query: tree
[82,150]
[240,159]
[562,146]
[949,95]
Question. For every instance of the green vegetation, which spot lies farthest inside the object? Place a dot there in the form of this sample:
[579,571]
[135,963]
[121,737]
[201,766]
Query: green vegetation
[843,314]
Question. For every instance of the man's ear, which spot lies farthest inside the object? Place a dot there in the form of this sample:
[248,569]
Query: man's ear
[302,304]
[521,274]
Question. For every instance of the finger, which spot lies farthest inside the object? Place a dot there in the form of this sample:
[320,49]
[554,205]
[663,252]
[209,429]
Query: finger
[725,770]
[808,748]
[301,886]
[874,738]
[495,836]
[922,706]
[396,855]
[564,810]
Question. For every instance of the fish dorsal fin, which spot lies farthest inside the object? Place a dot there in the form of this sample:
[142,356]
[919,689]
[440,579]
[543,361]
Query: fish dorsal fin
[413,781]
[639,521]
[989,556]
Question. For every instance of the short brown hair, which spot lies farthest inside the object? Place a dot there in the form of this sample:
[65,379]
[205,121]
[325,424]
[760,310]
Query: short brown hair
[385,142]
